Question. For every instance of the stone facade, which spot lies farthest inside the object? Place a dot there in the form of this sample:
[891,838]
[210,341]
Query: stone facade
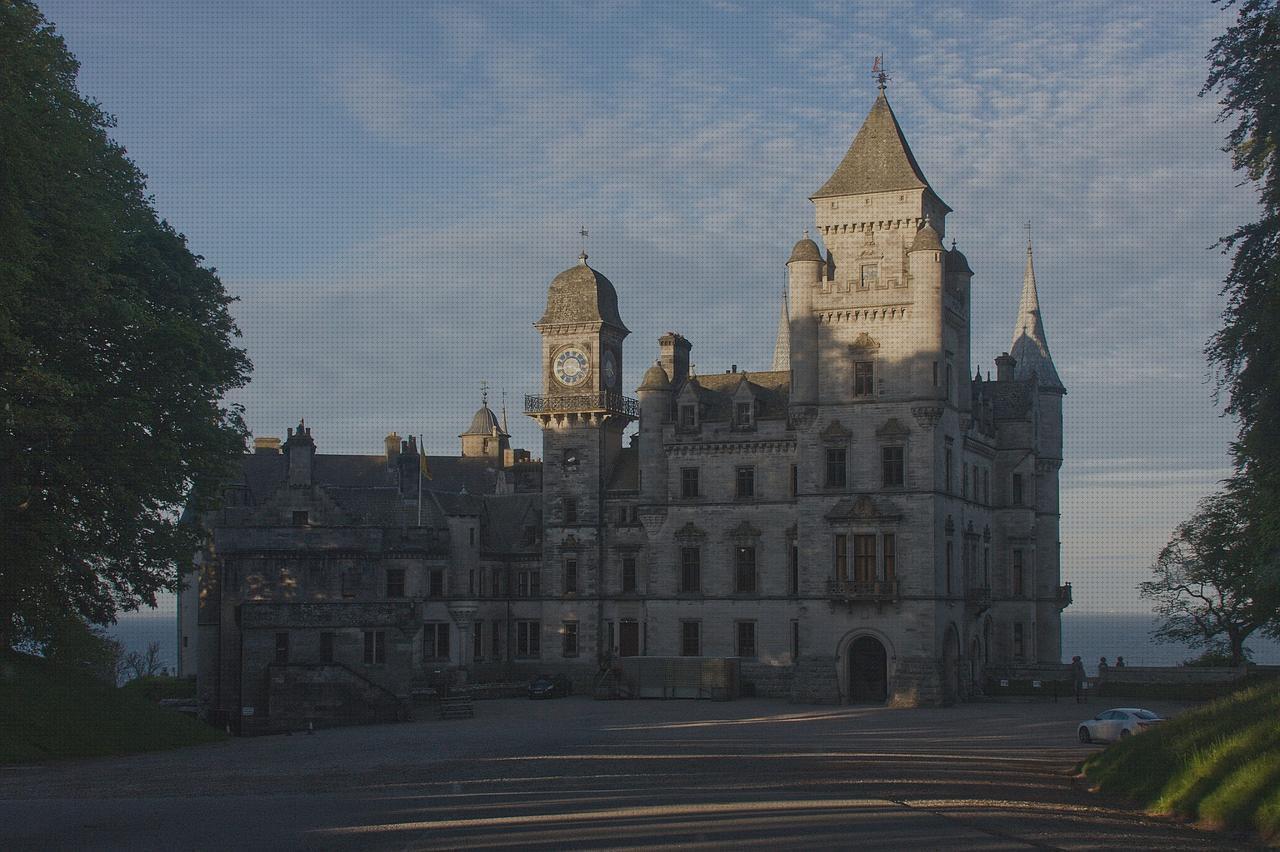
[864,522]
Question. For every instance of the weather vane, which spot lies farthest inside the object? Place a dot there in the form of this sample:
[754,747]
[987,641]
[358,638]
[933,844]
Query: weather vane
[583,232]
[1027,226]
[484,393]
[878,71]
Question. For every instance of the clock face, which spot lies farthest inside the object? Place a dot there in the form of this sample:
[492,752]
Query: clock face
[571,366]
[610,369]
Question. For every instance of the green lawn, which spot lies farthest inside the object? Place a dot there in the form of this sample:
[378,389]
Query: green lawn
[1218,764]
[51,712]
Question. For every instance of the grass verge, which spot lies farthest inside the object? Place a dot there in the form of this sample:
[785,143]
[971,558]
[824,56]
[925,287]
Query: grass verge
[48,711]
[1218,764]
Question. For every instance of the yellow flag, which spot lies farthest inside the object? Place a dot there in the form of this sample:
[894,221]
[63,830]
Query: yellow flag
[422,461]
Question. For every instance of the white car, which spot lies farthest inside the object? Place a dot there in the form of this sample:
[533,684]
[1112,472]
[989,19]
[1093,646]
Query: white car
[1117,724]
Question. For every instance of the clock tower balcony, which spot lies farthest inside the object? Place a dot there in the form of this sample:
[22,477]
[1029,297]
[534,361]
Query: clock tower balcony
[599,406]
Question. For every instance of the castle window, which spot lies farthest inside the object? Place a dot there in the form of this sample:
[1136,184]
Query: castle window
[746,631]
[841,550]
[892,466]
[746,483]
[964,481]
[528,584]
[326,647]
[301,518]
[569,634]
[1016,574]
[986,486]
[688,482]
[570,510]
[950,561]
[689,416]
[890,543]
[793,571]
[795,480]
[528,639]
[1019,646]
[495,640]
[864,558]
[946,461]
[863,373]
[742,414]
[795,639]
[690,569]
[282,647]
[1017,489]
[471,536]
[395,582]
[837,469]
[745,570]
[375,647]
[435,641]
[628,573]
[870,276]
[691,639]
[477,641]
[571,576]
[471,581]
[435,584]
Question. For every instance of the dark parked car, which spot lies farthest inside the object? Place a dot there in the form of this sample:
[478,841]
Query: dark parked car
[550,686]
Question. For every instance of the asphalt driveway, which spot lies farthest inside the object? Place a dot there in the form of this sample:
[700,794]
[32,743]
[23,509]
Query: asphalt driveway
[581,773]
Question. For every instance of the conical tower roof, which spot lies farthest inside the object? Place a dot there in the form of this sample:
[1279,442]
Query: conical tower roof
[879,160]
[1029,344]
[782,345]
[485,423]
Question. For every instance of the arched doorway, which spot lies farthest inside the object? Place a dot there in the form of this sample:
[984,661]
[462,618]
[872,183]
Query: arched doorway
[951,666]
[868,671]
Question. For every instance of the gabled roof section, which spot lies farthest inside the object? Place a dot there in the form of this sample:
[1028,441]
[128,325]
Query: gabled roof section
[879,160]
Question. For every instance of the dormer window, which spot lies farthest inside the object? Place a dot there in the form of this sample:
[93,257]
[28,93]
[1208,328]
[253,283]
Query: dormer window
[743,414]
[688,416]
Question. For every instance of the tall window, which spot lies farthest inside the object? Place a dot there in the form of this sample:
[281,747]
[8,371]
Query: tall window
[688,416]
[628,573]
[964,481]
[795,639]
[571,576]
[864,558]
[691,639]
[477,641]
[690,569]
[528,639]
[395,582]
[950,561]
[495,640]
[282,647]
[1017,575]
[892,466]
[986,567]
[688,482]
[793,570]
[890,544]
[863,375]
[569,630]
[842,556]
[946,461]
[529,584]
[326,647]
[435,641]
[745,573]
[1017,489]
[746,483]
[435,584]
[986,486]
[375,647]
[795,480]
[746,639]
[837,469]
[742,414]
[1019,644]
[570,510]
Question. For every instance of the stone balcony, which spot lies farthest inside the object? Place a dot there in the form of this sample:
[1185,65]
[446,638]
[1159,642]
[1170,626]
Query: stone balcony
[593,406]
[852,591]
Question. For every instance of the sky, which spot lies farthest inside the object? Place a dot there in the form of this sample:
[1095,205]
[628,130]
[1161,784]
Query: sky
[388,188]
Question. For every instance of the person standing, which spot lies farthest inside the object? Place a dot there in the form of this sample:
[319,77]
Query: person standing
[1102,666]
[1078,678]
[1119,662]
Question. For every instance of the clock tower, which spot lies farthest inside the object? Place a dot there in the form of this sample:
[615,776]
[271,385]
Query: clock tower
[582,413]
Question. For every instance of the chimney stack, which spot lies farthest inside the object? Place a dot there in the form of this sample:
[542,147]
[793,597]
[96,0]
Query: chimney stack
[1004,367]
[674,356]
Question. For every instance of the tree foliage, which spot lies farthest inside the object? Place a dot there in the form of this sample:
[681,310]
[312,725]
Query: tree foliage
[1215,581]
[116,351]
[1245,72]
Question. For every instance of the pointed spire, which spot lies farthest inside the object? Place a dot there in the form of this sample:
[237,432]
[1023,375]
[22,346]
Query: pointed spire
[1030,347]
[782,346]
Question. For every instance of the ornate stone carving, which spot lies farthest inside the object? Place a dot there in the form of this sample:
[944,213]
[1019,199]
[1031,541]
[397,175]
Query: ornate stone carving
[652,518]
[690,534]
[835,433]
[892,428]
[927,416]
[744,533]
[865,342]
[803,416]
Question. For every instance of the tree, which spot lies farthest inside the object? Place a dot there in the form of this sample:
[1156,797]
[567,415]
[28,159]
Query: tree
[1245,69]
[116,352]
[147,664]
[1214,581]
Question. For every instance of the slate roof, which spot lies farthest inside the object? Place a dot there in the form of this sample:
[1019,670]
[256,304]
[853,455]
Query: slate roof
[485,422]
[1029,344]
[716,391]
[581,294]
[879,160]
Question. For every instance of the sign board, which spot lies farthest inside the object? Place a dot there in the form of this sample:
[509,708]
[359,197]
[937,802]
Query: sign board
[246,711]
[1004,682]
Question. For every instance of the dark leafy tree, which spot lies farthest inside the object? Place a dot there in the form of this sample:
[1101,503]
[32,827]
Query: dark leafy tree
[1245,73]
[1215,580]
[116,352]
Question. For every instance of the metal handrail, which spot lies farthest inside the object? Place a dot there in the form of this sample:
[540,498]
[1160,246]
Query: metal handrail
[563,403]
[863,590]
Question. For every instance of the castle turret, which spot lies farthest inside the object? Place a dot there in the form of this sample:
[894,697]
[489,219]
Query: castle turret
[925,266]
[655,407]
[804,274]
[1029,344]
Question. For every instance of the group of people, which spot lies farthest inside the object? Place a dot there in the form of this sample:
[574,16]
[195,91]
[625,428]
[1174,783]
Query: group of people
[1080,679]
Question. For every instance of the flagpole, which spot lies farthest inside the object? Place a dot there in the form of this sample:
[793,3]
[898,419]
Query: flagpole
[419,482]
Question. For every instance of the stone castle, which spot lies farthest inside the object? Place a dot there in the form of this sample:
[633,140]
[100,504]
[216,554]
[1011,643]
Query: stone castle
[868,520]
